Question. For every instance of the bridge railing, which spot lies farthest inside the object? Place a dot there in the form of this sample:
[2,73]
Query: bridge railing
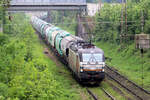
[48,2]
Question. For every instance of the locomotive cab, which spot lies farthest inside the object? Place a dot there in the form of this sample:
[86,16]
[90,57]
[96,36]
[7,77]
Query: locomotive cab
[87,61]
[92,63]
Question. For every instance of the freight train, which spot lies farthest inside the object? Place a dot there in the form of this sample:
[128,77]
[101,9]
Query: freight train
[86,61]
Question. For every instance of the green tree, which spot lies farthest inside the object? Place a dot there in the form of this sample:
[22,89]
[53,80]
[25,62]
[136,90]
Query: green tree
[109,27]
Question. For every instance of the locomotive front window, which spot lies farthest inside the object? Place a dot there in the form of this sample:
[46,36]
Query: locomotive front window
[86,57]
[92,57]
[98,57]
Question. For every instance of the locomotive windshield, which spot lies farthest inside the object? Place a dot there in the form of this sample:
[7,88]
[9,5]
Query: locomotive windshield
[92,57]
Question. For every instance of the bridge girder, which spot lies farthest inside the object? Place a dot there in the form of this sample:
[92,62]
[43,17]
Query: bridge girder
[45,7]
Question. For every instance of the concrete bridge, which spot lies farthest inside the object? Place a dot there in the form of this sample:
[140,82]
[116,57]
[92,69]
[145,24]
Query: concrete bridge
[45,5]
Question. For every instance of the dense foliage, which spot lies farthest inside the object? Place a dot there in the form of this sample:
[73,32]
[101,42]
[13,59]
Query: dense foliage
[25,72]
[3,5]
[121,51]
[109,20]
[65,20]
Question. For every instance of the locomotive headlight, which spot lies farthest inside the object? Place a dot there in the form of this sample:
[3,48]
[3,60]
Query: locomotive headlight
[81,69]
[103,64]
[103,70]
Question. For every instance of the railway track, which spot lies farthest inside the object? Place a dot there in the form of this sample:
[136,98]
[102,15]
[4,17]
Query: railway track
[108,94]
[134,89]
[92,94]
[104,91]
[130,86]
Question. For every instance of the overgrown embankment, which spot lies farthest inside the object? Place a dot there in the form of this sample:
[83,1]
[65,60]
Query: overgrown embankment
[128,61]
[25,72]
[108,31]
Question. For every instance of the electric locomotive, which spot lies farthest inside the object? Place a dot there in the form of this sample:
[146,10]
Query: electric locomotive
[86,61]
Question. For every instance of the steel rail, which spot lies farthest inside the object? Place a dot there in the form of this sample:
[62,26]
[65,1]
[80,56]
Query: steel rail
[91,94]
[130,86]
[108,94]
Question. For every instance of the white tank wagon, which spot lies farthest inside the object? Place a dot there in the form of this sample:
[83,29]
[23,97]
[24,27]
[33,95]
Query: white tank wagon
[85,60]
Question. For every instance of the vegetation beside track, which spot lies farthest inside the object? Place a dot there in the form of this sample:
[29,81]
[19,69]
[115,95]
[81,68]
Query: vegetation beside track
[25,72]
[128,61]
[121,51]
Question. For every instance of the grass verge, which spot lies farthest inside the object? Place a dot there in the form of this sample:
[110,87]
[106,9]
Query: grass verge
[128,61]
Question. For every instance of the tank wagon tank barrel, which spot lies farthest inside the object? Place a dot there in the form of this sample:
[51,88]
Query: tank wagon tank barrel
[85,60]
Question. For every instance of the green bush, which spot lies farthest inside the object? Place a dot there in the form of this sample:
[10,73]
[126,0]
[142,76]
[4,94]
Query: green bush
[25,72]
[108,26]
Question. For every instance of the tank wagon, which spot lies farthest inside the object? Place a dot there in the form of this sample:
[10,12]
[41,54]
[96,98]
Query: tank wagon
[85,60]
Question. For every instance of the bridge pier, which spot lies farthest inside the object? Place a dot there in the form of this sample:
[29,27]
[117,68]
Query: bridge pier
[49,19]
[79,29]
